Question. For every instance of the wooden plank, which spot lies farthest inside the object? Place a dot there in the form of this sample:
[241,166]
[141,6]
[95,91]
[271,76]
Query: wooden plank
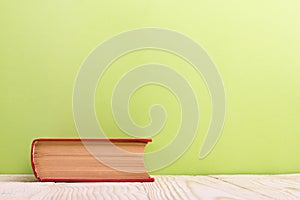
[17,178]
[50,190]
[164,187]
[196,187]
[273,186]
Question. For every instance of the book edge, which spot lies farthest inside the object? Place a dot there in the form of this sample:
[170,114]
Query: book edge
[144,140]
[32,160]
[150,179]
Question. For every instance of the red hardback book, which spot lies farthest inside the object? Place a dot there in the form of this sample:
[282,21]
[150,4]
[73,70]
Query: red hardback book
[71,160]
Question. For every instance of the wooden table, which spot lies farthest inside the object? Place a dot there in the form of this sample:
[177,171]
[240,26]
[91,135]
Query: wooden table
[165,187]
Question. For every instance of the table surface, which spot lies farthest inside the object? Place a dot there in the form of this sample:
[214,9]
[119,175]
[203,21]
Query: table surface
[165,187]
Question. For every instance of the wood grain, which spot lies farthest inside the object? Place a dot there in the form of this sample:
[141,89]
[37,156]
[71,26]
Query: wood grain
[273,186]
[49,190]
[196,187]
[165,187]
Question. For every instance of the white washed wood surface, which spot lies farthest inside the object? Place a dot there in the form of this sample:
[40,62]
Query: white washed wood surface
[165,187]
[196,187]
[273,186]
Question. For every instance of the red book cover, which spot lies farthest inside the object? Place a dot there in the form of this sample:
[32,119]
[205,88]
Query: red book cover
[70,179]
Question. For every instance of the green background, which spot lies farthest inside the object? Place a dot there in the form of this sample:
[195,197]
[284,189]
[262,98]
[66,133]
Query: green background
[255,45]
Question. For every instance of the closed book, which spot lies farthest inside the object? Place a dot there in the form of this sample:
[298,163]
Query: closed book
[89,159]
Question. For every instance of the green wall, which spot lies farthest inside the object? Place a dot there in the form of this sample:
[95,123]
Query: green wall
[255,45]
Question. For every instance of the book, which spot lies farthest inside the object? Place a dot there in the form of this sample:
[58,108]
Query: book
[89,160]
